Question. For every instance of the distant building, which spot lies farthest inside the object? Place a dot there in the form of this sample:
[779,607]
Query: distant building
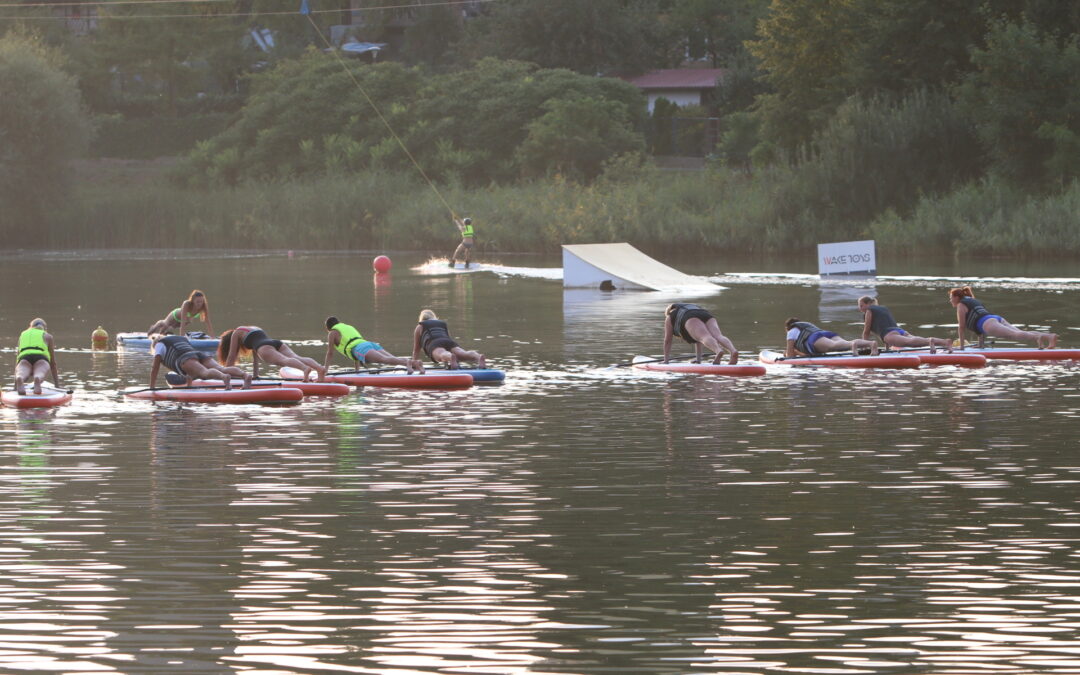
[681,86]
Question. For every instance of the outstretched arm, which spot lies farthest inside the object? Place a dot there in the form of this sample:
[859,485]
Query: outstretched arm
[789,351]
[866,326]
[331,340]
[961,321]
[667,338]
[206,320]
[416,341]
[52,360]
[154,370]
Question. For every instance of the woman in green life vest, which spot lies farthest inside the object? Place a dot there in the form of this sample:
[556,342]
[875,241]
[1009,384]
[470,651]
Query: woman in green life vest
[464,249]
[36,358]
[348,342]
[194,308]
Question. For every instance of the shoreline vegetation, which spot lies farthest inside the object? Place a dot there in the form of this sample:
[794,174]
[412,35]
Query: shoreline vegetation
[139,204]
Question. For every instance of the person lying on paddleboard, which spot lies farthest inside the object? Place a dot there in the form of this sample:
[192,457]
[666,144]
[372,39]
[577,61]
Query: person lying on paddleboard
[350,344]
[879,321]
[696,326]
[36,358]
[254,340]
[176,321]
[433,337]
[806,339]
[179,356]
[972,315]
[464,249]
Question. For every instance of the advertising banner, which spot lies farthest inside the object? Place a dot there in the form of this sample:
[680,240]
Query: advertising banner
[847,257]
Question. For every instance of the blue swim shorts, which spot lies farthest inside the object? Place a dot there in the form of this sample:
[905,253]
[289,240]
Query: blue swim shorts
[360,351]
[814,338]
[984,319]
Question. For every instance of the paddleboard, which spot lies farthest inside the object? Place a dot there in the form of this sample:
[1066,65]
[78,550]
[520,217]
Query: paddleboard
[309,388]
[738,370]
[198,339]
[1024,353]
[883,360]
[954,359]
[219,395]
[48,398]
[479,375]
[439,379]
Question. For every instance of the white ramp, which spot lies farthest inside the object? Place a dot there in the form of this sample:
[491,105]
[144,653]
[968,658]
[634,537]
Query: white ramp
[623,267]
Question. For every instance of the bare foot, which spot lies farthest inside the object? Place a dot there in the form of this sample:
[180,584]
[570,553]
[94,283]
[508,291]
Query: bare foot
[37,387]
[482,361]
[228,381]
[247,381]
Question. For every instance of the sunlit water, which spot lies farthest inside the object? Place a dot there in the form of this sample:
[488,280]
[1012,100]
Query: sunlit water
[577,519]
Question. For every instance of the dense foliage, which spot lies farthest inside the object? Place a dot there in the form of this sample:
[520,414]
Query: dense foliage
[40,128]
[494,121]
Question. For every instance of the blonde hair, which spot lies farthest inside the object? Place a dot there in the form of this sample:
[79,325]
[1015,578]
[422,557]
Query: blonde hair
[38,323]
[426,314]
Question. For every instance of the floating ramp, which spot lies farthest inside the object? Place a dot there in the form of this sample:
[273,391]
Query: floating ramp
[621,266]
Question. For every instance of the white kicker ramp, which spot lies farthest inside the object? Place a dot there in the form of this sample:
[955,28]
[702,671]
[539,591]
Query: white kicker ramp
[623,267]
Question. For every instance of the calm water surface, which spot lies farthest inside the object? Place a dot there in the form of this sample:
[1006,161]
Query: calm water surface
[577,519]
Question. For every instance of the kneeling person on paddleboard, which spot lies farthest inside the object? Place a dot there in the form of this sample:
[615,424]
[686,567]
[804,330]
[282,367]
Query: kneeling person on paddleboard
[806,339]
[179,356]
[351,344]
[879,321]
[433,337]
[36,358]
[696,326]
[972,315]
[195,307]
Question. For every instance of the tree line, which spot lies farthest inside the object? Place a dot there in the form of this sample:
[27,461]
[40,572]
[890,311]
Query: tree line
[859,113]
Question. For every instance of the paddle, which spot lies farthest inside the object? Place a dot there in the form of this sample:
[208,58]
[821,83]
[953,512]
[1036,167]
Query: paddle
[657,359]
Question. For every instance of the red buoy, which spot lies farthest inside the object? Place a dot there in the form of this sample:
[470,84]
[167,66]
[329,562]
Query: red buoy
[382,264]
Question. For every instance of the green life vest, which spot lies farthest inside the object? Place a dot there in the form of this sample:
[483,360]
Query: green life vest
[32,341]
[348,337]
[467,231]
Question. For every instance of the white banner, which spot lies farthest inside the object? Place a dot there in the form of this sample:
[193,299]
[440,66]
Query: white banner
[847,257]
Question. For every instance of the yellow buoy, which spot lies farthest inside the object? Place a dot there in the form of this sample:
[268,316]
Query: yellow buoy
[99,338]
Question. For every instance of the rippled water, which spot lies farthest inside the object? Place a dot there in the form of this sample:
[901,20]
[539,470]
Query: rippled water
[577,519]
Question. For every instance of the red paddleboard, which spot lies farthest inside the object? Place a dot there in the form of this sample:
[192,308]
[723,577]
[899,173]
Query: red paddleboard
[882,360]
[48,398]
[217,395]
[438,379]
[700,368]
[954,359]
[1025,354]
[308,388]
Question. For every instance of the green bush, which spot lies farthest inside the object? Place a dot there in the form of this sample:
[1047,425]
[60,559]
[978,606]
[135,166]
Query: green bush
[42,125]
[308,116]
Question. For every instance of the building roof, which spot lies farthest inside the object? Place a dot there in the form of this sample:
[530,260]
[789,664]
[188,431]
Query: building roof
[679,78]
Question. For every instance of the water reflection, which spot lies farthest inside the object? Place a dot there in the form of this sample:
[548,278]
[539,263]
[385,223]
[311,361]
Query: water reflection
[577,519]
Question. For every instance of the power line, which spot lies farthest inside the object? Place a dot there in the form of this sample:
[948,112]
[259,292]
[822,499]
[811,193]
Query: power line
[51,5]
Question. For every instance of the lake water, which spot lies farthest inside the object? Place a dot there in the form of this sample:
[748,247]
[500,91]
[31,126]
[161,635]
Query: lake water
[577,519]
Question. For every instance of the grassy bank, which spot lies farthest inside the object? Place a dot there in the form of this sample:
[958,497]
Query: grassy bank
[662,210]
